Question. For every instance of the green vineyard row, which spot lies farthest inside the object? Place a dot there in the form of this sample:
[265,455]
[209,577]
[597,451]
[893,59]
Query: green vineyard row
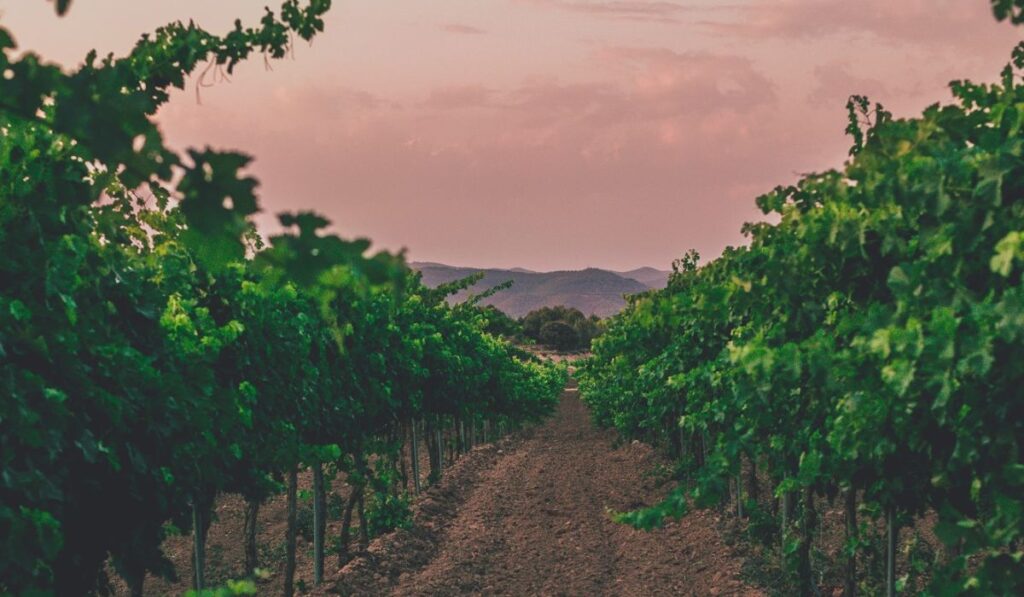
[868,341]
[155,352]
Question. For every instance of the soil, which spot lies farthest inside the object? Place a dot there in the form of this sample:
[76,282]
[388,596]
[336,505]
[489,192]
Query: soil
[530,516]
[225,550]
[526,515]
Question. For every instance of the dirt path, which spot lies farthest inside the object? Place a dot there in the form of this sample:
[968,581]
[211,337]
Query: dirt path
[535,522]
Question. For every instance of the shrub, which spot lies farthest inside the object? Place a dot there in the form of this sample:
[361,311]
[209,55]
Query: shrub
[584,329]
[559,335]
[386,512]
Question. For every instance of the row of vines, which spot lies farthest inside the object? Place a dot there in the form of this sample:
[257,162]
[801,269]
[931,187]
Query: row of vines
[156,352]
[864,349]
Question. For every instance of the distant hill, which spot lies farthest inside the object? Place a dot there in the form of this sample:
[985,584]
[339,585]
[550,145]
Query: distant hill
[648,276]
[592,290]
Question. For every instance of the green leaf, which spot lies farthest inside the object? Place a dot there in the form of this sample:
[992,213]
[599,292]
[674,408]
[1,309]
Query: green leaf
[19,311]
[1007,250]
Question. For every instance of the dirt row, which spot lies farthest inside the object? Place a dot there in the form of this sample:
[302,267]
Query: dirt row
[530,517]
[527,515]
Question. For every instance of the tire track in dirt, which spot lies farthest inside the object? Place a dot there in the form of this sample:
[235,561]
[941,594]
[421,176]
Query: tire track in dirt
[536,523]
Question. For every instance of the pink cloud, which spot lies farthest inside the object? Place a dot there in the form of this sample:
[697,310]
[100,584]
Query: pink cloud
[654,85]
[669,81]
[633,10]
[657,147]
[835,83]
[462,29]
[459,96]
[661,129]
[930,22]
[534,148]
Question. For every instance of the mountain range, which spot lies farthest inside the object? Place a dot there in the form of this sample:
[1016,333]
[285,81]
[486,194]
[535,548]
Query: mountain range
[593,291]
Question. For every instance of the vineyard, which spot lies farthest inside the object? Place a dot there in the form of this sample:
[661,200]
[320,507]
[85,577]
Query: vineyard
[861,354]
[157,353]
[865,346]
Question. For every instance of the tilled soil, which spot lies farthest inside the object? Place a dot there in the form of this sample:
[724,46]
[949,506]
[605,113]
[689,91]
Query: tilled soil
[531,517]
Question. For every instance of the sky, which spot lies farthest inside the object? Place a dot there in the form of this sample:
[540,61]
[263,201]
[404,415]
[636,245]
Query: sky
[546,134]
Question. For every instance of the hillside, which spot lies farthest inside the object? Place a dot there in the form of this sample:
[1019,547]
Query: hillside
[592,290]
[648,276]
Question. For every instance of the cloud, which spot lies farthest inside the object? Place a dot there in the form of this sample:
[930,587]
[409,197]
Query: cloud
[667,81]
[654,110]
[835,83]
[632,10]
[461,29]
[929,22]
[644,86]
[459,96]
[662,149]
[653,117]
[329,101]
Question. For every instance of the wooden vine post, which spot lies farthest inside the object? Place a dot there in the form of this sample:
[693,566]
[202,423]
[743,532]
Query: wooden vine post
[250,530]
[364,529]
[292,532]
[753,490]
[786,509]
[890,551]
[808,522]
[850,574]
[198,546]
[439,442]
[415,451]
[319,522]
[739,493]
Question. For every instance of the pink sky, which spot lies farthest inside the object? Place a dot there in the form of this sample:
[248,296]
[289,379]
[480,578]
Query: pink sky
[548,134]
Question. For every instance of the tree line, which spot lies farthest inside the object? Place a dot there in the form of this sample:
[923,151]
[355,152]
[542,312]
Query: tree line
[560,328]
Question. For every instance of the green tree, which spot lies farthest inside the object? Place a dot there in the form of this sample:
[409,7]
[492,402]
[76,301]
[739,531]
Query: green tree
[500,324]
[584,328]
[558,335]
